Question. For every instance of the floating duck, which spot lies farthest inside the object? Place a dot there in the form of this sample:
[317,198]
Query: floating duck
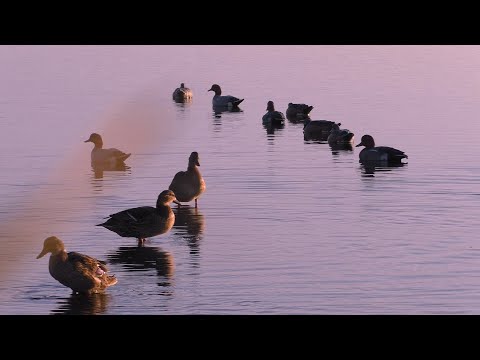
[81,273]
[339,136]
[220,100]
[273,117]
[379,154]
[182,94]
[298,111]
[317,129]
[110,156]
[144,221]
[189,185]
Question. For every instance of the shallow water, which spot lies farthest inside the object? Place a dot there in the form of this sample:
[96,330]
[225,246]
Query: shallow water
[286,226]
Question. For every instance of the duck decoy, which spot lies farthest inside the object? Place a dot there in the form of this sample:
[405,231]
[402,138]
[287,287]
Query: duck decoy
[110,156]
[182,94]
[339,136]
[317,129]
[273,117]
[379,154]
[81,273]
[144,221]
[220,101]
[298,112]
[189,185]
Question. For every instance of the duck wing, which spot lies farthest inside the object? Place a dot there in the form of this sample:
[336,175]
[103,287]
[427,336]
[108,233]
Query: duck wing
[118,154]
[393,154]
[82,262]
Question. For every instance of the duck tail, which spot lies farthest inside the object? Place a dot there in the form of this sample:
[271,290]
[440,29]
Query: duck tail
[110,280]
[237,102]
[123,157]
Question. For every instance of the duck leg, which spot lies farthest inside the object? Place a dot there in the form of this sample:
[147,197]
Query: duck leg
[141,241]
[195,203]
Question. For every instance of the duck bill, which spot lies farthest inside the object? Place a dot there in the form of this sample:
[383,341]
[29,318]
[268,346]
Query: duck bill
[88,140]
[361,144]
[42,254]
[177,202]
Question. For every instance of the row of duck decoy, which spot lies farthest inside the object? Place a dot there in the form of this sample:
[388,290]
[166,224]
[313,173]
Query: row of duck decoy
[85,274]
[323,130]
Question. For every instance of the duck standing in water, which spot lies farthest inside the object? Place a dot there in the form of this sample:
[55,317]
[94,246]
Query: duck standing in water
[379,154]
[182,94]
[189,185]
[273,117]
[219,100]
[101,156]
[81,273]
[144,221]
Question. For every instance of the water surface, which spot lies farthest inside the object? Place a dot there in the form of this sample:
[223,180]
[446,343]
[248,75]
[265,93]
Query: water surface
[286,226]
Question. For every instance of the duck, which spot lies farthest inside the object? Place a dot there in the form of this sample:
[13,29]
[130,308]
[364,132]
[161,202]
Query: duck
[317,129]
[298,111]
[273,117]
[379,154]
[182,93]
[220,100]
[144,221]
[339,136]
[110,156]
[81,273]
[189,185]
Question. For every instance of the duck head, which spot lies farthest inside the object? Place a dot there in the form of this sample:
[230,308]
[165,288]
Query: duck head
[270,106]
[367,141]
[96,139]
[166,197]
[194,159]
[52,245]
[216,88]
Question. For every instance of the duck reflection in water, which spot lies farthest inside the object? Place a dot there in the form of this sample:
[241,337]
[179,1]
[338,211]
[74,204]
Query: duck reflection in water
[189,225]
[99,169]
[219,110]
[83,304]
[144,258]
[338,148]
[272,128]
[369,168]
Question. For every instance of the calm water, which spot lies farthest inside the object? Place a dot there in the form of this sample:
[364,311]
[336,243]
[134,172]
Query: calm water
[286,226]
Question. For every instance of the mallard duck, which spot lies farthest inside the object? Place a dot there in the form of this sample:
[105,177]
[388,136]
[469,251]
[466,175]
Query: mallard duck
[220,100]
[298,111]
[273,117]
[81,273]
[182,93]
[379,154]
[317,129]
[144,221]
[189,185]
[105,156]
[339,136]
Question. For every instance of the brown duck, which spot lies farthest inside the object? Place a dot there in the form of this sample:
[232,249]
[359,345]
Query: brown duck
[81,273]
[189,185]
